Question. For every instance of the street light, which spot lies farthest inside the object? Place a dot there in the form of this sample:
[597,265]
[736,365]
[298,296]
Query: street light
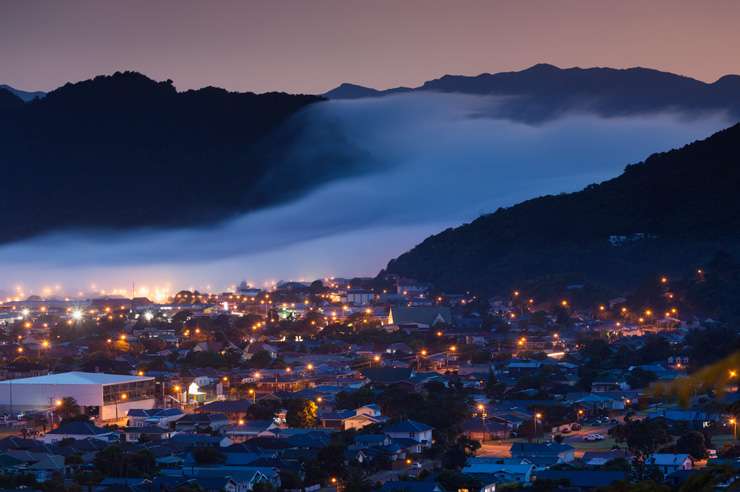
[537,416]
[733,421]
[254,395]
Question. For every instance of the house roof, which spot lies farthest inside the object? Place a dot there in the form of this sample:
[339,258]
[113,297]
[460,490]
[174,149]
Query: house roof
[77,377]
[427,315]
[387,375]
[666,459]
[407,426]
[536,448]
[79,429]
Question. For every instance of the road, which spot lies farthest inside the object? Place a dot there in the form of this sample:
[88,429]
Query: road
[500,449]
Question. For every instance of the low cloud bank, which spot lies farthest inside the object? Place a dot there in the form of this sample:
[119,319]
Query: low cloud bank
[419,163]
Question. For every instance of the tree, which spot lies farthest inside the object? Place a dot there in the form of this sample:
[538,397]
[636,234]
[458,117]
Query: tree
[640,378]
[263,410]
[692,443]
[68,409]
[643,436]
[301,413]
[260,360]
[453,480]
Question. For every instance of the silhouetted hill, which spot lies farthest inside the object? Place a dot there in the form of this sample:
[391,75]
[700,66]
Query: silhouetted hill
[545,91]
[353,91]
[126,151]
[8,100]
[670,213]
[23,95]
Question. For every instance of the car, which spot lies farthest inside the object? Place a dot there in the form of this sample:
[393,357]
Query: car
[565,430]
[575,427]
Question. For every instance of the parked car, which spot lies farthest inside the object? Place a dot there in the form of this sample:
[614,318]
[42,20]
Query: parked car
[576,427]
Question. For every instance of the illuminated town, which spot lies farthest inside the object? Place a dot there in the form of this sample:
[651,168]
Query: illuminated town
[377,380]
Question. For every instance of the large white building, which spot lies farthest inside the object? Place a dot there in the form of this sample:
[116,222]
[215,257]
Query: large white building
[101,396]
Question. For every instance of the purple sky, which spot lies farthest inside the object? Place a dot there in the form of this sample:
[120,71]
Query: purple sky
[311,46]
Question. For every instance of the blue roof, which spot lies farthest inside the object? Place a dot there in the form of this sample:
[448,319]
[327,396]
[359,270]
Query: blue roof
[79,429]
[407,426]
[77,377]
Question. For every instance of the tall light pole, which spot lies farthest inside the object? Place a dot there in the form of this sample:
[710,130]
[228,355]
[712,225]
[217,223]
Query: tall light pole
[537,416]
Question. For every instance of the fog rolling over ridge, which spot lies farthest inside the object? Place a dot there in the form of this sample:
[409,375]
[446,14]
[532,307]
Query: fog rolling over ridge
[420,163]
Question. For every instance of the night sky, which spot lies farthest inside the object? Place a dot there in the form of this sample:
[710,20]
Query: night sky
[312,46]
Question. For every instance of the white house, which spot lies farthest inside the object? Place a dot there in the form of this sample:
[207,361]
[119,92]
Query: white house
[79,431]
[669,463]
[410,429]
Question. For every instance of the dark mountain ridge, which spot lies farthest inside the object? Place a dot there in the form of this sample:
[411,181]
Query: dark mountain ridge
[544,91]
[23,95]
[667,214]
[125,151]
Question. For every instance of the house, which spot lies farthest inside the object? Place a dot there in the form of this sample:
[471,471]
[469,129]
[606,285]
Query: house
[599,458]
[668,462]
[385,376]
[147,433]
[255,347]
[497,472]
[202,422]
[249,429]
[78,431]
[419,317]
[543,454]
[353,419]
[693,419]
[359,297]
[364,441]
[42,465]
[160,417]
[185,441]
[410,429]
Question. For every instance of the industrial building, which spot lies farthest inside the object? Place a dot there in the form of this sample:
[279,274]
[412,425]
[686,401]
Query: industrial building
[101,396]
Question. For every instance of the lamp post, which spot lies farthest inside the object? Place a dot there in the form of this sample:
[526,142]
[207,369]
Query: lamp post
[123,397]
[537,416]
[733,421]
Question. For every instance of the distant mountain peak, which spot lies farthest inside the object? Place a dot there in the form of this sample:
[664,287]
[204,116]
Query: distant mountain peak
[23,95]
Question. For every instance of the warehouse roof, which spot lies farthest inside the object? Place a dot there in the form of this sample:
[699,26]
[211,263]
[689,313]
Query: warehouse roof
[77,377]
